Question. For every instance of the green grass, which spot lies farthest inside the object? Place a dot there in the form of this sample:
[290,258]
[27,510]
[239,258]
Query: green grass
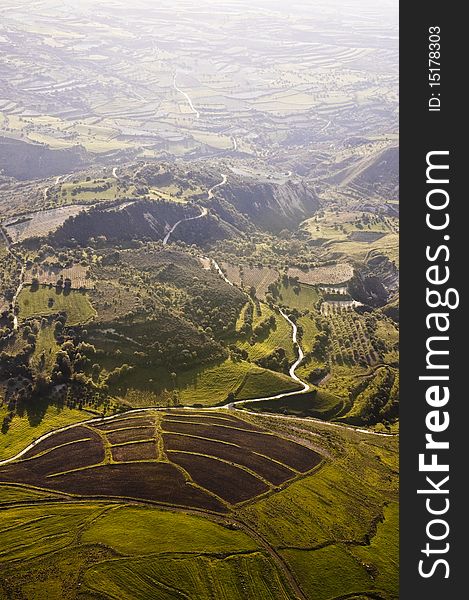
[306,298]
[318,404]
[340,501]
[330,504]
[340,241]
[387,331]
[25,429]
[129,552]
[383,552]
[88,196]
[32,531]
[373,388]
[45,342]
[263,383]
[165,531]
[279,337]
[18,493]
[240,321]
[194,577]
[207,386]
[212,385]
[388,245]
[310,331]
[329,572]
[45,301]
[51,576]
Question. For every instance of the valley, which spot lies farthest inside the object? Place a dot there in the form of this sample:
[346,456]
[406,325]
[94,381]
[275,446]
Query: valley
[199,301]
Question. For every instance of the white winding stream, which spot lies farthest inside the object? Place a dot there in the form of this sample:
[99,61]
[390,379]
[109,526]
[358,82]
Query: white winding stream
[229,405]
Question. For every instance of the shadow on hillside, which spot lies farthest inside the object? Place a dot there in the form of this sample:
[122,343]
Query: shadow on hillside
[35,409]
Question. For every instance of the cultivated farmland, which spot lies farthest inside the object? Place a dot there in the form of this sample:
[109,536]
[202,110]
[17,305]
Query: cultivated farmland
[78,275]
[259,524]
[128,457]
[38,224]
[199,209]
[329,275]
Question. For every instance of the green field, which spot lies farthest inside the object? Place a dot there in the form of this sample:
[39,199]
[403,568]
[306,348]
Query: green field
[355,234]
[49,301]
[205,386]
[355,485]
[197,577]
[388,245]
[383,550]
[175,554]
[17,493]
[329,572]
[148,525]
[34,423]
[301,296]
[240,321]
[32,531]
[310,331]
[87,191]
[318,404]
[344,500]
[184,193]
[120,551]
[279,337]
[45,342]
[262,383]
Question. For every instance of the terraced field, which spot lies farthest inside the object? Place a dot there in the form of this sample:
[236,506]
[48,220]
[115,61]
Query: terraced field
[221,507]
[141,147]
[199,460]
[38,224]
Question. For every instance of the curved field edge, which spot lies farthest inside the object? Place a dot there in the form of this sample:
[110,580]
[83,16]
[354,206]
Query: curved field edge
[200,577]
[316,403]
[23,430]
[337,570]
[154,553]
[337,513]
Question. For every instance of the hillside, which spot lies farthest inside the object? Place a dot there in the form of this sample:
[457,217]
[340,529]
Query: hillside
[271,206]
[23,160]
[199,300]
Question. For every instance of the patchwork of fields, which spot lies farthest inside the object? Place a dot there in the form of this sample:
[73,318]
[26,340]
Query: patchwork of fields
[199,211]
[202,460]
[200,502]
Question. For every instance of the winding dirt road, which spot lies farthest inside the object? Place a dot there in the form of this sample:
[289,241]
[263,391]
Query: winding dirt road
[23,270]
[229,405]
[203,211]
[187,97]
